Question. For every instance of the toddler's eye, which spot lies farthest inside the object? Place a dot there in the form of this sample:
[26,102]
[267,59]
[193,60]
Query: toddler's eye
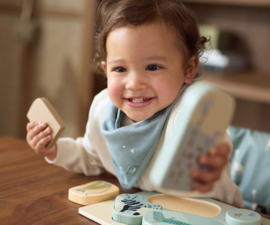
[119,69]
[153,67]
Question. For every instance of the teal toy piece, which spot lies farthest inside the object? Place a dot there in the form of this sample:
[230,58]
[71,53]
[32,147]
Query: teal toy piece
[207,112]
[242,217]
[130,208]
[171,217]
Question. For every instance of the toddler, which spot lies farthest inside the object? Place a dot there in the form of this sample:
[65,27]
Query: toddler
[149,51]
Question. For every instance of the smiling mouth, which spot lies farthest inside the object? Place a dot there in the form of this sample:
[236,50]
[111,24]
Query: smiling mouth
[139,100]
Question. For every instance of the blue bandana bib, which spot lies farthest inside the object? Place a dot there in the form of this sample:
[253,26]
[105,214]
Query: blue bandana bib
[131,147]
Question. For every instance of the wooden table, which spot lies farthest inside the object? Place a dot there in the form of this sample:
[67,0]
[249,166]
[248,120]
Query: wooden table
[34,192]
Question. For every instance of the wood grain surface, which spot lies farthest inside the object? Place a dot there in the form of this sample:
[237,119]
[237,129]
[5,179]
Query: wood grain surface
[34,192]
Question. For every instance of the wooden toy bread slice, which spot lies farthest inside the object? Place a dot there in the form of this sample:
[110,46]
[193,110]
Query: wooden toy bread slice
[93,192]
[42,110]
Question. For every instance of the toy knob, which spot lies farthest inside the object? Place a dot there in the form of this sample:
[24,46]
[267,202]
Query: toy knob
[243,217]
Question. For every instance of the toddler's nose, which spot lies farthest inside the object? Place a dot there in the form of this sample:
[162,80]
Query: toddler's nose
[136,82]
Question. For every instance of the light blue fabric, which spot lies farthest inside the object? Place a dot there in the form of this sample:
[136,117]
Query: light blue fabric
[131,147]
[250,163]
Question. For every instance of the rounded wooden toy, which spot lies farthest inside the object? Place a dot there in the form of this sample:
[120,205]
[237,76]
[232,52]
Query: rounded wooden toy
[93,192]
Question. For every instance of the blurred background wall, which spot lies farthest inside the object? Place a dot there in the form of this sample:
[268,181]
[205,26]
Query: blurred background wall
[46,51]
[52,58]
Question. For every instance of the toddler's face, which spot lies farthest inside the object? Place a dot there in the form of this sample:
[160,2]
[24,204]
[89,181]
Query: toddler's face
[144,69]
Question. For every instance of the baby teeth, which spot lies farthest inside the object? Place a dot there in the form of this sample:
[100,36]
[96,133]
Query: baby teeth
[137,100]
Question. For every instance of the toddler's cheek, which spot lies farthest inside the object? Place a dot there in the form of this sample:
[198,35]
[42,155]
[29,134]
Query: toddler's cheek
[115,93]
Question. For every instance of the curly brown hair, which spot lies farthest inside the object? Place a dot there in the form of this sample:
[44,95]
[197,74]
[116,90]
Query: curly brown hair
[113,14]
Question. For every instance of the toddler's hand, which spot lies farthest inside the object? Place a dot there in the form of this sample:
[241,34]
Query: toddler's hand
[216,160]
[38,135]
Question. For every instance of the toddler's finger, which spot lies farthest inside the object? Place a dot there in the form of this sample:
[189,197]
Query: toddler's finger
[206,176]
[41,135]
[213,161]
[41,145]
[222,150]
[30,126]
[202,187]
[35,130]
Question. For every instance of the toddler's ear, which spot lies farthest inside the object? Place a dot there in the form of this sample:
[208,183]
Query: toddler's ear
[103,64]
[191,69]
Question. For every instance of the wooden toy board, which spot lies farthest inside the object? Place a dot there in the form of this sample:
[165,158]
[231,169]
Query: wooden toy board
[214,212]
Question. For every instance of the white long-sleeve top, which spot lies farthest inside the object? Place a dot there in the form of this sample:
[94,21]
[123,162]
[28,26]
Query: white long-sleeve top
[90,155]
